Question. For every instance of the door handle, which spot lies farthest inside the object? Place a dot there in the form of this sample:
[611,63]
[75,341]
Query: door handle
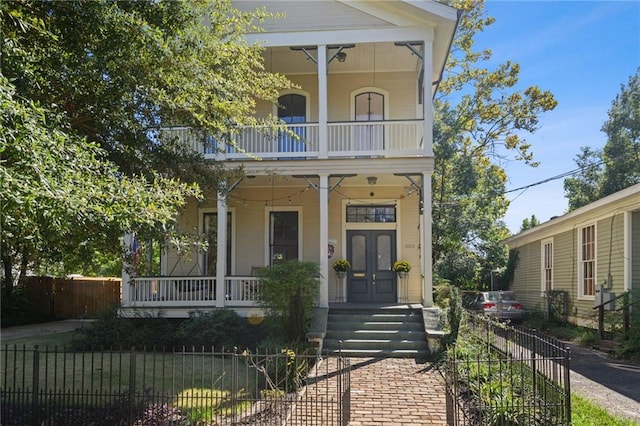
[374,279]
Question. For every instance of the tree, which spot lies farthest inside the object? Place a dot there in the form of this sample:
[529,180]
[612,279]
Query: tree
[60,195]
[617,165]
[86,88]
[528,223]
[479,115]
[120,71]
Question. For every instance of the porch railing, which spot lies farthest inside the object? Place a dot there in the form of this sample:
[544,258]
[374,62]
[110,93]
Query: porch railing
[191,291]
[388,138]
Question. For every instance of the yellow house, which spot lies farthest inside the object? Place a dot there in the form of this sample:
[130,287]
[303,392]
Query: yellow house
[354,184]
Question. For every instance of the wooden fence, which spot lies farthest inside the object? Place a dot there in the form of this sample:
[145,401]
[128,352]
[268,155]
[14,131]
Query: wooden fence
[66,298]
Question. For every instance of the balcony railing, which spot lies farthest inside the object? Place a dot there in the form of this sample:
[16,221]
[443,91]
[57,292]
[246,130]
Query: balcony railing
[389,138]
[191,291]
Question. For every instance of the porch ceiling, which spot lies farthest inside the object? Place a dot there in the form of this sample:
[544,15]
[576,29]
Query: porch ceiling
[368,57]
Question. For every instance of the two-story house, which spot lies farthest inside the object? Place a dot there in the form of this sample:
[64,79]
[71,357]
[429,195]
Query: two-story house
[354,184]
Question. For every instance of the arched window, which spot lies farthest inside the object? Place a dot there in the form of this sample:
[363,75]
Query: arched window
[369,105]
[292,108]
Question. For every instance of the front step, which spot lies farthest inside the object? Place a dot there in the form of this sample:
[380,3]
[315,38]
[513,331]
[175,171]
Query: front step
[376,332]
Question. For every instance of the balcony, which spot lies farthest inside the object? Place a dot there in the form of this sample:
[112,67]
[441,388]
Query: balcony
[365,139]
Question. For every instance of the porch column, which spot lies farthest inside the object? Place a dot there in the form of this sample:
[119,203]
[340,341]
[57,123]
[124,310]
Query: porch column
[427,97]
[221,254]
[323,138]
[323,191]
[125,285]
[427,264]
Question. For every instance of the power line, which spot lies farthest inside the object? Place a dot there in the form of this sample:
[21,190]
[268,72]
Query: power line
[556,177]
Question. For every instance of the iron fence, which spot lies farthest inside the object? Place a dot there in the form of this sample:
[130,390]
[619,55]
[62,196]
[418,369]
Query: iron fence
[508,376]
[188,387]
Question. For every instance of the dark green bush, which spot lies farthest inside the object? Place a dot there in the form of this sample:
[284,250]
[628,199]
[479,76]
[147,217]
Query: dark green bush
[218,328]
[111,331]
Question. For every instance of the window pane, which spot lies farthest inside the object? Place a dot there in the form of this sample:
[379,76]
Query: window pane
[384,253]
[292,108]
[369,106]
[358,253]
[283,236]
[368,214]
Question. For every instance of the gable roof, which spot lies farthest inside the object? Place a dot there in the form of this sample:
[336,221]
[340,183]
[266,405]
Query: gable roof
[560,223]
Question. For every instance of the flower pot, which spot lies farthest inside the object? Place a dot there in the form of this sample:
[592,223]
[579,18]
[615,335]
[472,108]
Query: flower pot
[341,274]
[402,274]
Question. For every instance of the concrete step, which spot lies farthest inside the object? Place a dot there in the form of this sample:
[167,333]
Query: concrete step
[378,353]
[368,344]
[381,332]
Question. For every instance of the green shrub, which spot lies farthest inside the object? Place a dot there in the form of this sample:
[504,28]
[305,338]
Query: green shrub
[218,328]
[448,298]
[111,331]
[288,292]
[588,337]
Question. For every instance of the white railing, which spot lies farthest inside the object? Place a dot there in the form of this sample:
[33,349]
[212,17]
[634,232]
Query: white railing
[345,139]
[376,138]
[191,291]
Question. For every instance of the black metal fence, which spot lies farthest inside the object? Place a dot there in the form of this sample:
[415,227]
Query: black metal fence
[501,375]
[56,386]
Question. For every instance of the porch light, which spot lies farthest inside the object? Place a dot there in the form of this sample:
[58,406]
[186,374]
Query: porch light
[372,180]
[341,56]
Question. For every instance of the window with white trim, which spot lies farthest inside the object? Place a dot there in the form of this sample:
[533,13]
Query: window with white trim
[547,265]
[587,264]
[284,238]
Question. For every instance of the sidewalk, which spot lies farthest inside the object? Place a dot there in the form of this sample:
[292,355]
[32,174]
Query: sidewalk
[43,328]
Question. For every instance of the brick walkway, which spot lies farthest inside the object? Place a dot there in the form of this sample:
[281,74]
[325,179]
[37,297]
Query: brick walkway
[384,391]
[396,391]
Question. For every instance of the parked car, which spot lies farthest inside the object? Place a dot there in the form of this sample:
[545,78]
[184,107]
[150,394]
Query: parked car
[501,305]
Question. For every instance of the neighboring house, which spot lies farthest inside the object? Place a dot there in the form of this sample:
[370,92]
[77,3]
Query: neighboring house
[357,183]
[595,245]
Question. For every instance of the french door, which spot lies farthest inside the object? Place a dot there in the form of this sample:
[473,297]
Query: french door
[371,279]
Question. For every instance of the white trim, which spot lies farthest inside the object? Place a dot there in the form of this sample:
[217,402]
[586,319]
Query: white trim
[232,211]
[267,229]
[571,220]
[628,250]
[543,276]
[581,295]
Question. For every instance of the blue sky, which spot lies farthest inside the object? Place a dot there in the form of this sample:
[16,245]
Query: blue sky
[582,51]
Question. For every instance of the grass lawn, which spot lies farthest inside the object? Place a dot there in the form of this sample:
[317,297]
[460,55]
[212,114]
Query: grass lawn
[584,413]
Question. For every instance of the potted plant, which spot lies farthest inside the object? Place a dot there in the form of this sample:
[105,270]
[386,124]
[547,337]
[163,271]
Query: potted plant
[341,266]
[402,267]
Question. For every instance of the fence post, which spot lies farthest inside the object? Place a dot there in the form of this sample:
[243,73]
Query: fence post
[234,384]
[626,318]
[601,321]
[567,382]
[35,386]
[132,383]
[534,366]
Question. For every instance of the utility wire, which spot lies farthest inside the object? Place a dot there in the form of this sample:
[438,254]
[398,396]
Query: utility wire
[556,177]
